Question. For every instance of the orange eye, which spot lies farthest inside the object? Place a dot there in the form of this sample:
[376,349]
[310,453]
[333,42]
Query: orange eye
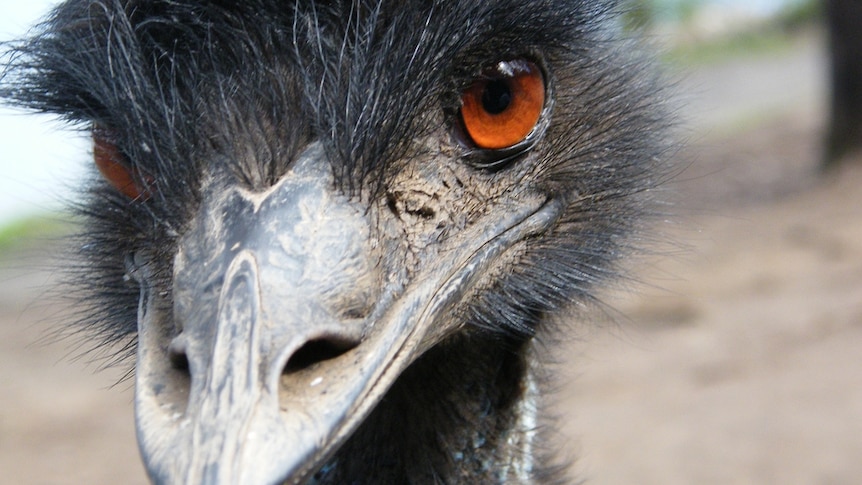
[111,164]
[502,108]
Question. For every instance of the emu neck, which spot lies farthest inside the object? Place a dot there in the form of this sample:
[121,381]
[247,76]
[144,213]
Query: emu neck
[463,413]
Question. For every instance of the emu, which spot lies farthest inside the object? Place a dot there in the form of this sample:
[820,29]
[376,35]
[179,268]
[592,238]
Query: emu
[329,234]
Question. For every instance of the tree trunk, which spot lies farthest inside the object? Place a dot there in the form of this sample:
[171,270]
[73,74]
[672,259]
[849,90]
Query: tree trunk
[844,19]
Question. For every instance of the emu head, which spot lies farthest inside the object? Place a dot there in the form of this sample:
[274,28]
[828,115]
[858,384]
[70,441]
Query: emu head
[299,201]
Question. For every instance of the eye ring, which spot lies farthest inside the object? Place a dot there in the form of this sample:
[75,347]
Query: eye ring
[114,167]
[504,105]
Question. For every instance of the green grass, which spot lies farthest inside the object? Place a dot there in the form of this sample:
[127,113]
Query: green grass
[740,45]
[33,230]
[778,35]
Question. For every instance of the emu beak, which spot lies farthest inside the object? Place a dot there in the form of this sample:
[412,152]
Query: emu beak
[287,324]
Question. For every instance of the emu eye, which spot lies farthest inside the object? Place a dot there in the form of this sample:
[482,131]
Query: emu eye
[113,166]
[502,107]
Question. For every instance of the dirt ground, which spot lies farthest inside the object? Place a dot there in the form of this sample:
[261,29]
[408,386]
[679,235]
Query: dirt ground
[742,364]
[739,361]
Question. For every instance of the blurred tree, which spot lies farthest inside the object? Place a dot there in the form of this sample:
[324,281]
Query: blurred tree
[844,18]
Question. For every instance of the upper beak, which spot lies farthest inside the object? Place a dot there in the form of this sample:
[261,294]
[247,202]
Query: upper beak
[288,321]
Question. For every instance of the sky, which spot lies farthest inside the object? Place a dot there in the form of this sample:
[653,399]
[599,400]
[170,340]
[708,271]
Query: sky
[41,161]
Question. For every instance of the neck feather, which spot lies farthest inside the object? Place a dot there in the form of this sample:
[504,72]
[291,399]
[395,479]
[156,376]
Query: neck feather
[465,412]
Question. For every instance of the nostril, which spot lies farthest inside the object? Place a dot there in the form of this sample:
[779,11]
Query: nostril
[179,361]
[315,351]
[177,354]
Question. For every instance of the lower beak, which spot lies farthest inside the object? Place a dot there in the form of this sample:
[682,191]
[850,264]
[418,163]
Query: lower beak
[287,325]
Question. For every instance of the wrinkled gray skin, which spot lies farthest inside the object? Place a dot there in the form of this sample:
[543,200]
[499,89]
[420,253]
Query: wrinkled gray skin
[263,277]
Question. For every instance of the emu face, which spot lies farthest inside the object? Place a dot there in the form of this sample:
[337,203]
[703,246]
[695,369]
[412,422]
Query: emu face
[308,206]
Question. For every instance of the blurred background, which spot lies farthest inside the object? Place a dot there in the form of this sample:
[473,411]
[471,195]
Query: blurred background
[737,359]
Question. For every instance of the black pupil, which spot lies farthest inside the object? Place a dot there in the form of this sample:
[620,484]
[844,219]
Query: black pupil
[496,97]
